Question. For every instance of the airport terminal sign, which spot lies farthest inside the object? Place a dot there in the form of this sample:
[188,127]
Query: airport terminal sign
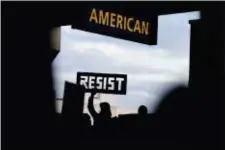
[114,20]
[116,23]
[103,82]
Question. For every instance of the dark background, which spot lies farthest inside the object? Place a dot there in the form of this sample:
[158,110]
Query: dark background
[27,92]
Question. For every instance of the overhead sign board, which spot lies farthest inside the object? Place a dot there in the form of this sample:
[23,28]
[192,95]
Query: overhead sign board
[115,22]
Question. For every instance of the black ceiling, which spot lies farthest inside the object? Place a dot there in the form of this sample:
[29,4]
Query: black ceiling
[60,13]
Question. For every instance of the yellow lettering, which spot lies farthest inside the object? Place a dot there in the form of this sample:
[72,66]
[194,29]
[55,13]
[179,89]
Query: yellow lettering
[93,16]
[137,26]
[119,21]
[103,18]
[125,21]
[112,20]
[128,24]
[145,27]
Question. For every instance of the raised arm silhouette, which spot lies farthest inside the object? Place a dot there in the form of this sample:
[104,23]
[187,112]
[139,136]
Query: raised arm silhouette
[104,117]
[91,108]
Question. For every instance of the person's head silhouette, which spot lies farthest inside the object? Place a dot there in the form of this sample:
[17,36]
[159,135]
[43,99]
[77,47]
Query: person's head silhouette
[105,110]
[142,110]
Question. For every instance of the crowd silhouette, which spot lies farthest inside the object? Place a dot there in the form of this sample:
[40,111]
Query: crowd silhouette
[165,125]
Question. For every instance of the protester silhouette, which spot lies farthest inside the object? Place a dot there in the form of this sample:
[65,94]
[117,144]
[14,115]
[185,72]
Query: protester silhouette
[104,117]
[105,127]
